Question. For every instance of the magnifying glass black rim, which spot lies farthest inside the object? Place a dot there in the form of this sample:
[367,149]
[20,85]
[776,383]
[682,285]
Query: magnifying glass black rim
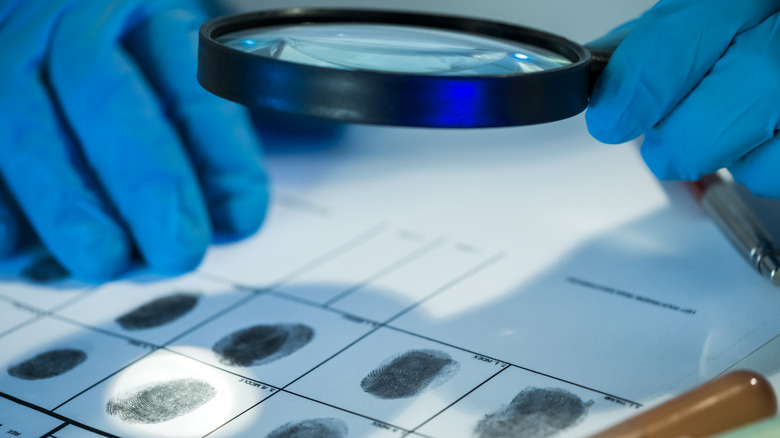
[392,98]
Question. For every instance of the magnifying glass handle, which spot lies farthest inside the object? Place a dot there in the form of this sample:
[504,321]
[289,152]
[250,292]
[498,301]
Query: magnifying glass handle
[599,59]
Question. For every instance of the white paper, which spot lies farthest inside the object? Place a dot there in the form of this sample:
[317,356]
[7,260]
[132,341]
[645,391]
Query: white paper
[525,264]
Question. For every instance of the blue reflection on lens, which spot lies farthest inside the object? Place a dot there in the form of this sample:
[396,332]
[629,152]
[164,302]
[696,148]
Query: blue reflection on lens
[249,42]
[520,56]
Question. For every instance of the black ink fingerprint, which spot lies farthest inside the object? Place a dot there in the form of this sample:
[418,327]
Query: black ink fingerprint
[410,374]
[44,270]
[262,344]
[158,312]
[534,413]
[314,428]
[49,364]
[158,402]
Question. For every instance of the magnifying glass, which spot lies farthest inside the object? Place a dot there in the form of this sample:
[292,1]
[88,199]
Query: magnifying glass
[396,68]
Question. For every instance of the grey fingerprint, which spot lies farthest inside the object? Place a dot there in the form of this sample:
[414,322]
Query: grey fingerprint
[410,374]
[48,364]
[44,270]
[313,428]
[158,312]
[161,401]
[262,344]
[534,413]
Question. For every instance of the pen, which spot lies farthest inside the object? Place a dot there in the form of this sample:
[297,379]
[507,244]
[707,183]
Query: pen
[726,402]
[723,203]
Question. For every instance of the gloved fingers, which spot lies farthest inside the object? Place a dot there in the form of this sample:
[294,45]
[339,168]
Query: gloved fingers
[758,169]
[9,225]
[612,39]
[28,24]
[732,110]
[668,52]
[125,135]
[70,219]
[218,133]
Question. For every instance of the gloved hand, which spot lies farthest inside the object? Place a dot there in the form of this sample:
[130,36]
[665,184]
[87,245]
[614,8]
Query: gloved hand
[110,146]
[701,80]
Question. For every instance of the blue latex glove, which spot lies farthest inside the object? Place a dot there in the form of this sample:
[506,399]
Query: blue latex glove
[110,146]
[701,80]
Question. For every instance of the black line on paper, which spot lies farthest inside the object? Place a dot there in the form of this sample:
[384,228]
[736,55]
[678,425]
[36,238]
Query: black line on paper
[328,255]
[242,412]
[104,331]
[53,414]
[78,297]
[416,435]
[273,389]
[401,429]
[331,357]
[452,283]
[33,318]
[211,318]
[56,429]
[390,268]
[459,399]
[311,264]
[88,387]
[631,296]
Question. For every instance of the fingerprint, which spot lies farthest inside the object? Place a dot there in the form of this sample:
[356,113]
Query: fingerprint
[49,364]
[534,413]
[314,428]
[158,402]
[158,312]
[262,344]
[410,374]
[44,270]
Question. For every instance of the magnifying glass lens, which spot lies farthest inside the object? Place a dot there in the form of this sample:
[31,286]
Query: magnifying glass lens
[394,68]
[393,48]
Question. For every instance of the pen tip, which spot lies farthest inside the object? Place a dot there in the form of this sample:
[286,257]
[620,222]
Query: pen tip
[769,265]
[774,277]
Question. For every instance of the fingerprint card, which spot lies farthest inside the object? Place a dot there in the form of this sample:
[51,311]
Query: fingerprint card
[396,378]
[166,394]
[154,311]
[376,255]
[397,290]
[289,416]
[13,315]
[18,420]
[290,239]
[49,361]
[272,339]
[519,403]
